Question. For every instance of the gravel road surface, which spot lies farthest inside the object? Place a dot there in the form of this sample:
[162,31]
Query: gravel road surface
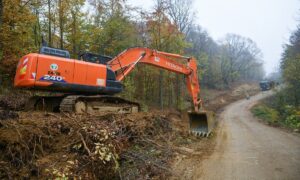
[248,149]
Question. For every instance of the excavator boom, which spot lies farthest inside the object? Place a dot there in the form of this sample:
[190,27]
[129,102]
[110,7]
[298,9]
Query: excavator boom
[125,62]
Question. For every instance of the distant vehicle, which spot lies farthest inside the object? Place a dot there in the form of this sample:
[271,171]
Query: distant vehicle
[266,85]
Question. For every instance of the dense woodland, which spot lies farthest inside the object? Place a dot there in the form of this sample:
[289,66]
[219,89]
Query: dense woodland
[287,101]
[290,66]
[110,26]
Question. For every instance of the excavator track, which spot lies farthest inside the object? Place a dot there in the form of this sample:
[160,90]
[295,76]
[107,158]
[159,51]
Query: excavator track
[68,103]
[99,104]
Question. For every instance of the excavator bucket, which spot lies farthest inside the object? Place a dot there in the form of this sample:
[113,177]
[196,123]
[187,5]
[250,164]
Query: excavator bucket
[201,123]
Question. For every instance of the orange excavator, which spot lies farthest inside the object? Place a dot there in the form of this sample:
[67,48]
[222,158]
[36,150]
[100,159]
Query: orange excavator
[89,82]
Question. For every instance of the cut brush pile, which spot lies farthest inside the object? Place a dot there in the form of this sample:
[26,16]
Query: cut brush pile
[88,147]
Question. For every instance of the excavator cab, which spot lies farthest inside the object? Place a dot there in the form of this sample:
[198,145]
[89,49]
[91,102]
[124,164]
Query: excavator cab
[201,123]
[94,58]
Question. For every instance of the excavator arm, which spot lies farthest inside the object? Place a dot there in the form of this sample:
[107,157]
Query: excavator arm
[125,62]
[201,122]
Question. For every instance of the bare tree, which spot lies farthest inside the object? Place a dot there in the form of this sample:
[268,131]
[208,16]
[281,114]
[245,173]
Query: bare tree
[181,13]
[61,23]
[238,55]
[49,23]
[206,51]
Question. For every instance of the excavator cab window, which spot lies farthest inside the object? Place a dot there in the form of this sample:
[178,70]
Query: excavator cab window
[94,58]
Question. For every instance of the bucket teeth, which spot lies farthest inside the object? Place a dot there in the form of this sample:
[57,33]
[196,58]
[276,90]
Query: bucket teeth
[195,133]
[200,133]
[208,134]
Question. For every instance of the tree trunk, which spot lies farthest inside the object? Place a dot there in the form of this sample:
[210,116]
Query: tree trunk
[161,101]
[49,24]
[37,29]
[1,21]
[1,12]
[178,90]
[61,24]
[74,33]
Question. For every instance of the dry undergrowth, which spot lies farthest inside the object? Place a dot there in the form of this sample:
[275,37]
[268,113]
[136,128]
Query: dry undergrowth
[110,146]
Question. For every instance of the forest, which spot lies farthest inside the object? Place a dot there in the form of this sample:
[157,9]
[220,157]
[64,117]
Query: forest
[110,26]
[152,129]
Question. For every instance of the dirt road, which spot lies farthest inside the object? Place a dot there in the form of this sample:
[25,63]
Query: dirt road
[248,149]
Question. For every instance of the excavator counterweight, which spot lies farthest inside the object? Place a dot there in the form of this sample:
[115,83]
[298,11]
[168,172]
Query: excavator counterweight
[89,82]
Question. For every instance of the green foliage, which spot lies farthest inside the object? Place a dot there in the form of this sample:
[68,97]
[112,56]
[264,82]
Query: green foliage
[290,66]
[129,88]
[74,27]
[266,113]
[15,34]
[291,74]
[117,34]
[291,116]
[275,111]
[203,64]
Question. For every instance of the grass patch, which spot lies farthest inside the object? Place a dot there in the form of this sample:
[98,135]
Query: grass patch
[266,113]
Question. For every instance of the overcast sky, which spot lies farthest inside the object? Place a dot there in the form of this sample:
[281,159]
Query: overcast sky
[268,22]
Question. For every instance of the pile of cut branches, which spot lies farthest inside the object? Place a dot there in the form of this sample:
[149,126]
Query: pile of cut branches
[11,102]
[88,147]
